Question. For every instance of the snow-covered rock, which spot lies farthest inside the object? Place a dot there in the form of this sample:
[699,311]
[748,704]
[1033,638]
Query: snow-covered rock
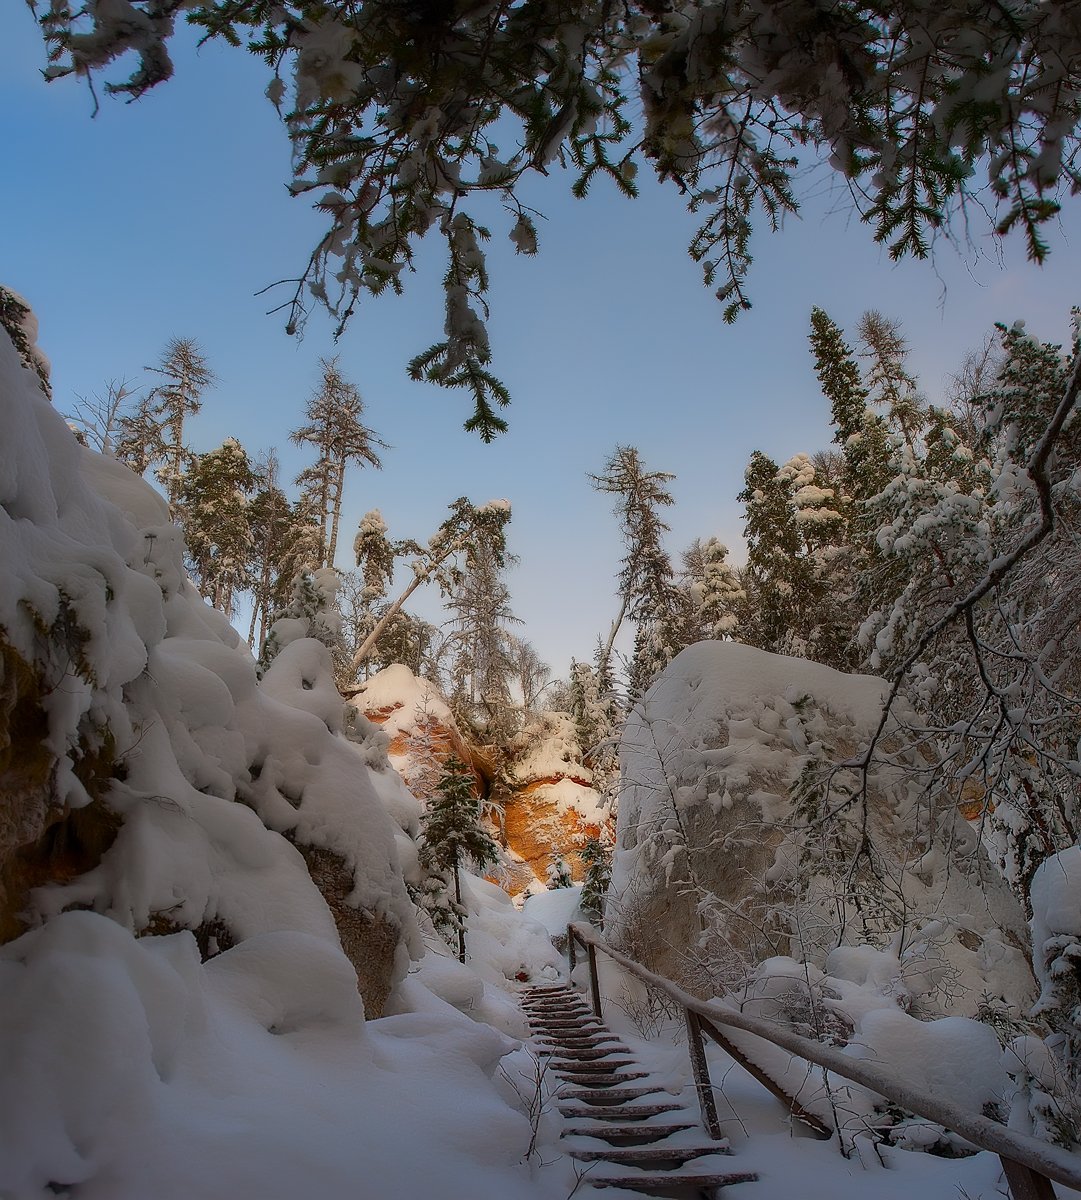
[737,842]
[147,775]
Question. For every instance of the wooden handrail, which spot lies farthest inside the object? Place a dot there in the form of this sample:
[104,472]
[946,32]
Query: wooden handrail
[1027,1162]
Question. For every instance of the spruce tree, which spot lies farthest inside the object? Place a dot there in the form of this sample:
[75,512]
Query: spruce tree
[393,116]
[838,375]
[483,667]
[283,543]
[596,858]
[648,591]
[312,601]
[859,431]
[598,717]
[374,554]
[454,837]
[713,591]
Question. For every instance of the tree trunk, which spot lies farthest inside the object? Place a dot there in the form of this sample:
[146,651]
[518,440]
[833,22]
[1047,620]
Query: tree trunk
[612,635]
[461,918]
[334,511]
[381,624]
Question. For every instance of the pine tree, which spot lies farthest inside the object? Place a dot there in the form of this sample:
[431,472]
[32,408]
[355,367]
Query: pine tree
[340,437]
[596,858]
[889,383]
[187,376]
[454,837]
[211,505]
[484,666]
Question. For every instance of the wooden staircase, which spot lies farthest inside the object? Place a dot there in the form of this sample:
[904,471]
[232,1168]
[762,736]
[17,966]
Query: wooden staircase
[633,1135]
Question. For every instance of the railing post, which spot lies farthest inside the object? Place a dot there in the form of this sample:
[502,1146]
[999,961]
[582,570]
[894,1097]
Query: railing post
[571,957]
[1024,1182]
[594,982]
[702,1082]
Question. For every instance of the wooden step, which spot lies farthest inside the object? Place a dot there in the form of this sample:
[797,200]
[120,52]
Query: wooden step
[585,1055]
[573,1028]
[599,1080]
[579,1033]
[626,1112]
[671,1182]
[609,1095]
[627,1134]
[647,1156]
[560,1031]
[567,1067]
[577,1043]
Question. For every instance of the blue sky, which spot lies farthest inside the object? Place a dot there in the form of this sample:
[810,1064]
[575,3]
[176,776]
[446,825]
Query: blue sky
[164,218]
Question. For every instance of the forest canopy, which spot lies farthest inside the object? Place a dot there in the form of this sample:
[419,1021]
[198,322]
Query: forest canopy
[401,113]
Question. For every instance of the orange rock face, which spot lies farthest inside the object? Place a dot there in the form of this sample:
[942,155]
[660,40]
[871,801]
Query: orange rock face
[540,827]
[440,741]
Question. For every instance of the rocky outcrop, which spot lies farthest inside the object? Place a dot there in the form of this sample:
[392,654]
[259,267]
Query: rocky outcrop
[551,808]
[370,940]
[145,773]
[43,839]
[420,728]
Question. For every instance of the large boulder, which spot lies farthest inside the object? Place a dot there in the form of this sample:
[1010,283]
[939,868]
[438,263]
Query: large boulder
[740,837]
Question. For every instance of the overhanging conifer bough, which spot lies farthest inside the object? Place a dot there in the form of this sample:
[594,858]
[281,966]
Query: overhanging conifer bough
[395,110]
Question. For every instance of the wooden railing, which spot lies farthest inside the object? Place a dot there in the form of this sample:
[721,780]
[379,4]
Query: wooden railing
[1029,1164]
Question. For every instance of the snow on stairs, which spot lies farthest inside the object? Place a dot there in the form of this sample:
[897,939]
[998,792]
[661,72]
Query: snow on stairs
[614,1125]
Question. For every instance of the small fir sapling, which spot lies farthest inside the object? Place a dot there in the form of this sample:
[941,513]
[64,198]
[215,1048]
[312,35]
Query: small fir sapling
[453,837]
[312,611]
[559,874]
